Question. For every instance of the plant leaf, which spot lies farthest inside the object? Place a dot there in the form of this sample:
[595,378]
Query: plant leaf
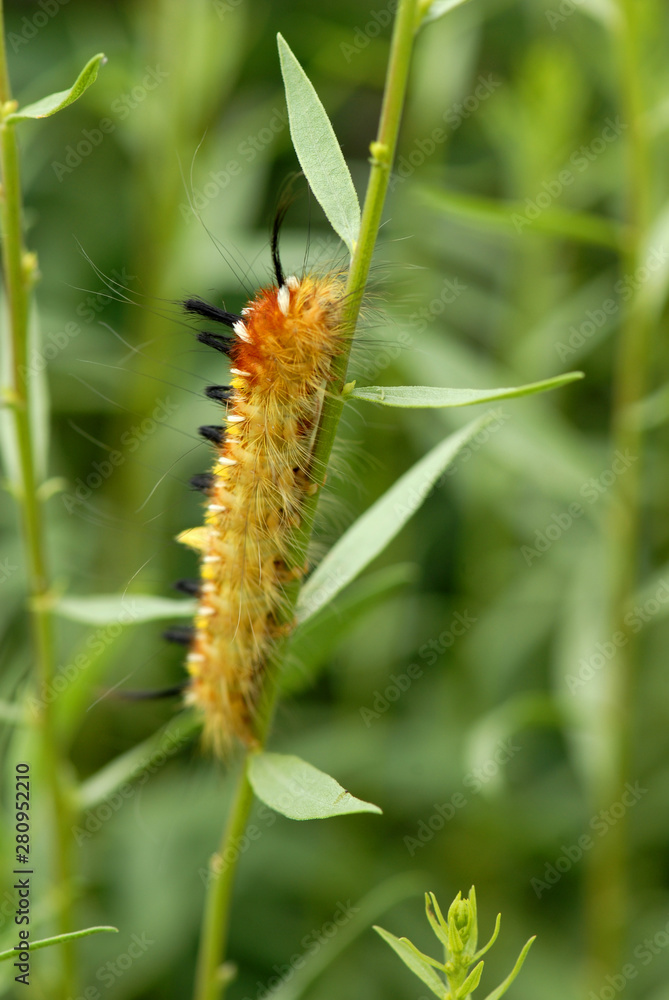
[56,102]
[503,987]
[72,936]
[433,396]
[440,7]
[298,790]
[129,609]
[484,949]
[414,961]
[472,981]
[318,150]
[509,215]
[380,523]
[436,919]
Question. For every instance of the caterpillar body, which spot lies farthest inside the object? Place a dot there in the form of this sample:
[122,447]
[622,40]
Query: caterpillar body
[281,351]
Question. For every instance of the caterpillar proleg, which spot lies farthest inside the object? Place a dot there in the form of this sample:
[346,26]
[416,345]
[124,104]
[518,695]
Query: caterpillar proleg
[281,350]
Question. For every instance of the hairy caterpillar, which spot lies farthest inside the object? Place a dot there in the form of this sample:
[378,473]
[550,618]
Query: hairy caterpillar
[281,350]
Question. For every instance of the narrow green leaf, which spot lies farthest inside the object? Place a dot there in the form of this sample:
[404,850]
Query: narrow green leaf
[474,935]
[436,918]
[503,987]
[318,150]
[486,947]
[418,966]
[471,982]
[103,609]
[59,939]
[423,957]
[510,216]
[298,790]
[380,523]
[440,7]
[432,396]
[56,102]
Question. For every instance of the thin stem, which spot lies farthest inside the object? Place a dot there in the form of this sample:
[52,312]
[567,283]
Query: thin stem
[19,271]
[210,983]
[607,874]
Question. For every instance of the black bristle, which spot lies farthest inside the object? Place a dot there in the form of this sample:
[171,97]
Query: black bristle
[170,692]
[202,308]
[182,634]
[274,243]
[190,587]
[203,481]
[212,432]
[219,393]
[285,202]
[222,344]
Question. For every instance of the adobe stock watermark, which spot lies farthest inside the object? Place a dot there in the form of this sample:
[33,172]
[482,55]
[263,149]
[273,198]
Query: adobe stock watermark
[109,973]
[472,783]
[7,569]
[130,442]
[31,26]
[382,356]
[310,944]
[591,491]
[96,644]
[238,846]
[560,13]
[88,310]
[600,824]
[453,117]
[418,494]
[120,108]
[497,420]
[95,818]
[429,651]
[604,652]
[644,953]
[223,7]
[248,150]
[625,288]
[378,20]
[451,290]
[578,162]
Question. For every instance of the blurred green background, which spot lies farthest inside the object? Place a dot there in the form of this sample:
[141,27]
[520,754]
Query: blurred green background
[189,113]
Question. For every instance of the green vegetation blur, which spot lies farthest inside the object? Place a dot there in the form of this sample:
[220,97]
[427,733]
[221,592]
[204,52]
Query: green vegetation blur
[462,694]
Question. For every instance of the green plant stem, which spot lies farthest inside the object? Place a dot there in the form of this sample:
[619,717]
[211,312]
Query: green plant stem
[607,867]
[209,984]
[19,271]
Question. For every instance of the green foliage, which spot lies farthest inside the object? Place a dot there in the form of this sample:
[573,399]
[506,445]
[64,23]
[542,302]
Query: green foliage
[299,791]
[378,526]
[50,105]
[458,934]
[318,150]
[417,396]
[59,939]
[516,541]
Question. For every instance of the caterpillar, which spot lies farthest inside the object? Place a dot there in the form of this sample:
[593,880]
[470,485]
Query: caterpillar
[281,349]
